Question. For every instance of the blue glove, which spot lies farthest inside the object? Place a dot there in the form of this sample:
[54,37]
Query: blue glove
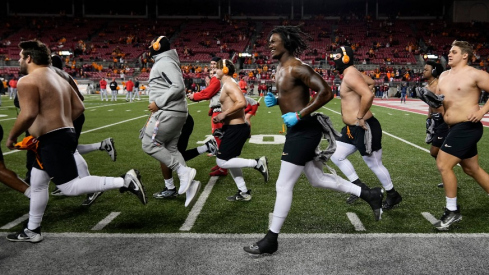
[270,100]
[290,119]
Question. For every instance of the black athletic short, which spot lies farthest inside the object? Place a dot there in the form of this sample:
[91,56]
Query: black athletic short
[78,124]
[354,135]
[441,132]
[302,140]
[187,129]
[1,138]
[462,139]
[55,152]
[233,140]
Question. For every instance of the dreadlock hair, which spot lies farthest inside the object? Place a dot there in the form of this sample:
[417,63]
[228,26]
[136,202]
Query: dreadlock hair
[294,39]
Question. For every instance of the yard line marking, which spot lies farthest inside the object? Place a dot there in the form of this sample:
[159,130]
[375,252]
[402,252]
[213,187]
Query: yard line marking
[8,119]
[389,134]
[357,223]
[270,217]
[429,217]
[106,221]
[15,222]
[194,213]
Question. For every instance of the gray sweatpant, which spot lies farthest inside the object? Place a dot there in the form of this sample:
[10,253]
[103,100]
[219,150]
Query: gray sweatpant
[160,137]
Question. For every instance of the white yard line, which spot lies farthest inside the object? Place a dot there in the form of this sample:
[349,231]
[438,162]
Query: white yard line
[194,213]
[357,223]
[16,222]
[103,223]
[429,217]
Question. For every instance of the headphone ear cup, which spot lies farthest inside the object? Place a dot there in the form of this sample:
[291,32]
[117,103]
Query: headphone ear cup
[225,70]
[433,72]
[345,59]
[156,45]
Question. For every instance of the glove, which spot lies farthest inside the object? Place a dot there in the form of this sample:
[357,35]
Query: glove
[290,119]
[270,100]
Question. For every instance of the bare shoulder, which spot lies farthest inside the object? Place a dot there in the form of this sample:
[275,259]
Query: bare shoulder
[298,68]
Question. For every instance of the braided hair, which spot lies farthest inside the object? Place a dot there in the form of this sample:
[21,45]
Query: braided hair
[294,39]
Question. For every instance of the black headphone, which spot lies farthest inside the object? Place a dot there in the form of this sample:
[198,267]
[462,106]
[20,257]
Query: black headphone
[434,71]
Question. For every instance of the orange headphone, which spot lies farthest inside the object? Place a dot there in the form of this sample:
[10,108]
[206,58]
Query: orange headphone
[345,57]
[156,45]
[225,69]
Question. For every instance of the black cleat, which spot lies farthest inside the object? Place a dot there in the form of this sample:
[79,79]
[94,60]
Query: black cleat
[262,167]
[26,235]
[449,217]
[91,198]
[132,183]
[391,201]
[264,246]
[374,198]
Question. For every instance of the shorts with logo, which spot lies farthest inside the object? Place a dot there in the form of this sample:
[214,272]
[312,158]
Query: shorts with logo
[355,136]
[462,139]
[302,140]
[441,132]
[55,155]
[233,140]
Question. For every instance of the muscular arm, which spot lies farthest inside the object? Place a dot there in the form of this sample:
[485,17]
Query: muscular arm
[355,83]
[29,100]
[315,82]
[77,107]
[482,81]
[370,82]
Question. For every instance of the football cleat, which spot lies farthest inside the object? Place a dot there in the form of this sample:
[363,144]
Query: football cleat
[240,196]
[132,183]
[108,146]
[166,193]
[26,235]
[449,217]
[91,198]
[262,167]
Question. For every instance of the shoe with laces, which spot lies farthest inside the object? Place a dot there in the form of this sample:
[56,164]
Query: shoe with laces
[192,192]
[219,173]
[132,183]
[107,145]
[262,167]
[215,168]
[91,198]
[211,146]
[267,245]
[240,196]
[449,217]
[392,200]
[185,179]
[26,235]
[57,192]
[374,198]
[166,193]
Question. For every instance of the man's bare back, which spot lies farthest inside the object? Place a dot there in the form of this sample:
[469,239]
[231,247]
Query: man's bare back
[49,98]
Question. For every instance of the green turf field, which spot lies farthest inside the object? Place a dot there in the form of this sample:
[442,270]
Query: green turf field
[412,169]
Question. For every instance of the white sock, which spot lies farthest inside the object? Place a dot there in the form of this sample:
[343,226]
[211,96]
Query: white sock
[202,149]
[90,184]
[27,192]
[169,183]
[451,203]
[39,197]
[81,165]
[236,163]
[87,148]
[181,169]
[317,178]
[237,175]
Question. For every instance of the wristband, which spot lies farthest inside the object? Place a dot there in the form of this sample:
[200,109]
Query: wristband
[298,114]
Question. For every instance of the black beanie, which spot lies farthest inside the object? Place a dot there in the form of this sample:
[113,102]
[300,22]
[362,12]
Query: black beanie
[164,45]
[216,59]
[57,62]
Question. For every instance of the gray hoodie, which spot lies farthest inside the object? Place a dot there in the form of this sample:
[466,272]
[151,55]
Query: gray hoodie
[166,86]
